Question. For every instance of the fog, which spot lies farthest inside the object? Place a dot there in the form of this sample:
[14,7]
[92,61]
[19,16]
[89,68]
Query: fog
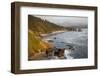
[67,21]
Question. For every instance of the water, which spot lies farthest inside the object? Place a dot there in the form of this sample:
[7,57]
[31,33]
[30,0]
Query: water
[77,40]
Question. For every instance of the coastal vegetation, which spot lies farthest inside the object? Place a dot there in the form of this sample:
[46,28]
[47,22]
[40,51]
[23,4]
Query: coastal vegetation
[37,27]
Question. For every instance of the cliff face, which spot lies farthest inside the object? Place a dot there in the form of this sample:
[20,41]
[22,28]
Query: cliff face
[36,27]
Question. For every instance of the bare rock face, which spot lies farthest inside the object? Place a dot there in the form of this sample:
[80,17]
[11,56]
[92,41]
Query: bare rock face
[59,53]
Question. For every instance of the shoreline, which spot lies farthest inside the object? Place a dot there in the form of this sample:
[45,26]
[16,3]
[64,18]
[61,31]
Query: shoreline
[53,33]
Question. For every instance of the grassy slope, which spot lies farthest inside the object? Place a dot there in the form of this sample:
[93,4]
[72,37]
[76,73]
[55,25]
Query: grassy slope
[37,26]
[35,45]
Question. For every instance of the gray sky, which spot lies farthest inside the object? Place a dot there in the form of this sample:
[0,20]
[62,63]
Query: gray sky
[66,20]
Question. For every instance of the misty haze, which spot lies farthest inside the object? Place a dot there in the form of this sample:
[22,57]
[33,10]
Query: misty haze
[66,21]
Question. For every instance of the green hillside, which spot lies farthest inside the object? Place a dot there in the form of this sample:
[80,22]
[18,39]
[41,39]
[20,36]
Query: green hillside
[37,26]
[36,45]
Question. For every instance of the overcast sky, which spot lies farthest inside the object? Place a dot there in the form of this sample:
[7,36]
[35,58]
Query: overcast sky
[66,20]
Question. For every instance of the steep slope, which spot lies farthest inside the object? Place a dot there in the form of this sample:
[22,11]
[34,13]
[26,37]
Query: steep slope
[37,26]
[36,45]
